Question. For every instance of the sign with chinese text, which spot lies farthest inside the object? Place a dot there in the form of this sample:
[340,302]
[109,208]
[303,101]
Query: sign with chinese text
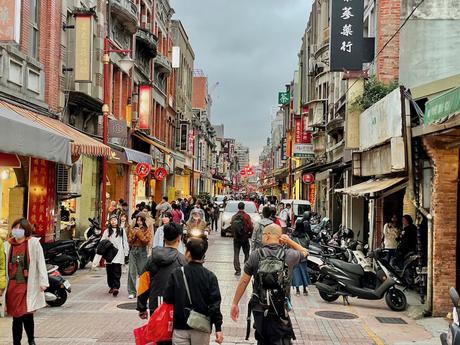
[118,132]
[283,149]
[42,197]
[346,42]
[10,21]
[311,194]
[191,142]
[446,105]
[160,174]
[308,178]
[83,48]
[142,170]
[145,106]
[303,150]
[183,137]
[284,97]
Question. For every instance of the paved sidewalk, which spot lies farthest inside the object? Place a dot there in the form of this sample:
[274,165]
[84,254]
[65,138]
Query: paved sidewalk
[91,316]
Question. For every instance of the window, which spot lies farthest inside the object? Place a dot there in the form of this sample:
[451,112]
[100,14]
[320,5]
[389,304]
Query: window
[33,82]
[15,72]
[34,36]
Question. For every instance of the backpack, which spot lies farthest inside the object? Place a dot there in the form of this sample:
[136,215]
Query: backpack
[271,282]
[238,227]
[257,237]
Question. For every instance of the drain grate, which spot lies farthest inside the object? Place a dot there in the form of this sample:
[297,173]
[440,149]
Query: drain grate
[337,315]
[127,306]
[96,276]
[391,320]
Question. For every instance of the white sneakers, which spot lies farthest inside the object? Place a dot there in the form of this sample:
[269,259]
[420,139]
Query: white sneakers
[131,297]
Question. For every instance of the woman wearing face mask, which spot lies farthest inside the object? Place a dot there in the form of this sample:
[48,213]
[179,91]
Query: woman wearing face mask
[27,279]
[117,236]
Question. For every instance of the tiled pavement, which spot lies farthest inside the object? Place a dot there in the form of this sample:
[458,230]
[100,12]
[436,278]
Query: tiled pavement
[90,316]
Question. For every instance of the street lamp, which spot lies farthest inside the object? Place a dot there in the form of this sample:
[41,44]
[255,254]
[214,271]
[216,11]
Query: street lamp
[126,63]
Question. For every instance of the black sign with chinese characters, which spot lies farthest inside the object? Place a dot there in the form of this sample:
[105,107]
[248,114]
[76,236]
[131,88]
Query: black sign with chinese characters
[346,35]
[183,136]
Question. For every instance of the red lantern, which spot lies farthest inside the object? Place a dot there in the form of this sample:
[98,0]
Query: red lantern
[160,174]
[142,170]
[308,178]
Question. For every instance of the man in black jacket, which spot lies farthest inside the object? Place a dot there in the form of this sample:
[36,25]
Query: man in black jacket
[204,294]
[159,267]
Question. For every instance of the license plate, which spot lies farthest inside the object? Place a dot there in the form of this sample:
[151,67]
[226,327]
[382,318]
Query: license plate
[67,284]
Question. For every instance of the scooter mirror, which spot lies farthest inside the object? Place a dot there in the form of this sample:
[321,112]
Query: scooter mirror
[454,296]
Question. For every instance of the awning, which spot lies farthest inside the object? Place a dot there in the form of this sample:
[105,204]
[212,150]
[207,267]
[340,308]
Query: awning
[152,141]
[82,144]
[24,137]
[118,155]
[373,186]
[137,156]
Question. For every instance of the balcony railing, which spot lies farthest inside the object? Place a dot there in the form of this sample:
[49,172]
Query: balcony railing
[163,64]
[149,40]
[127,12]
[335,125]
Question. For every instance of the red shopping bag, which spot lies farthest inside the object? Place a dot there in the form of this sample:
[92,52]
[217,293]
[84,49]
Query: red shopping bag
[139,335]
[160,325]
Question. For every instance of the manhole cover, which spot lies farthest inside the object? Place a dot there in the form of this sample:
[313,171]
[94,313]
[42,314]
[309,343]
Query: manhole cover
[338,315]
[128,306]
[392,320]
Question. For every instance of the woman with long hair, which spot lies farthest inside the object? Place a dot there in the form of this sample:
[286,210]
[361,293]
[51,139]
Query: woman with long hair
[300,273]
[27,279]
[117,236]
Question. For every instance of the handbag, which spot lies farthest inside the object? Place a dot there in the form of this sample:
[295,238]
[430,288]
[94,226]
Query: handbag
[139,335]
[196,320]
[160,325]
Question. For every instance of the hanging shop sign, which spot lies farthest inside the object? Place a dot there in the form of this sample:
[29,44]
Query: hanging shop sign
[346,41]
[308,178]
[303,151]
[183,136]
[284,97]
[145,106]
[83,48]
[160,174]
[441,107]
[142,170]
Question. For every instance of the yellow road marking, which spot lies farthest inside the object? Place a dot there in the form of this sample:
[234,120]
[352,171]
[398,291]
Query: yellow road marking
[375,338]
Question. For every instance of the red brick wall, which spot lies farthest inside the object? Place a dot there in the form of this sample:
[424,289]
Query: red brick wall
[444,212]
[199,93]
[388,22]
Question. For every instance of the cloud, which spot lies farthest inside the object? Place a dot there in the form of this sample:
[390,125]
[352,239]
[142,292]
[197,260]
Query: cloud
[250,47]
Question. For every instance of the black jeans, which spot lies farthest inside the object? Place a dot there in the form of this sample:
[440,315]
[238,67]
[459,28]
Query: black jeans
[113,275]
[237,245]
[270,330]
[28,321]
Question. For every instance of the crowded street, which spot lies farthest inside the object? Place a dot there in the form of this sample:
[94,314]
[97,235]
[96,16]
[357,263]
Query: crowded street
[91,316]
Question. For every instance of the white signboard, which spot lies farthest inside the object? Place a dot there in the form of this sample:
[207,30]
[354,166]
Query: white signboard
[381,122]
[175,57]
[303,150]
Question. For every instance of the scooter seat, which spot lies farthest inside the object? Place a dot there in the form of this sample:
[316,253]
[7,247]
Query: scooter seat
[59,243]
[352,268]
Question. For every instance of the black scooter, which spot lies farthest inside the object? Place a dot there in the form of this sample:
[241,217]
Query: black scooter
[452,336]
[62,254]
[339,278]
[56,293]
[87,249]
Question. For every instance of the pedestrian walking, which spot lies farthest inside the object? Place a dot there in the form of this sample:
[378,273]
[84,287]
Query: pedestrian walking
[215,217]
[118,238]
[242,227]
[163,206]
[284,216]
[260,226]
[158,269]
[158,239]
[139,238]
[390,235]
[300,276]
[194,292]
[177,215]
[26,279]
[271,267]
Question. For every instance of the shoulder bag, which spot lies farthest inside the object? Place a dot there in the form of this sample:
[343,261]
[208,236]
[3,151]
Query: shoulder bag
[196,320]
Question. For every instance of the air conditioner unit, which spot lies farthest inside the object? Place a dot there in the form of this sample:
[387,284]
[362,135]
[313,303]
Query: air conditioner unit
[69,178]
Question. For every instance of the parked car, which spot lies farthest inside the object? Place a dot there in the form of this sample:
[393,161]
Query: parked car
[230,210]
[298,207]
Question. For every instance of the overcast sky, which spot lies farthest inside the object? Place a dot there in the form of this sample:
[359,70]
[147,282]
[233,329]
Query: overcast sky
[250,47]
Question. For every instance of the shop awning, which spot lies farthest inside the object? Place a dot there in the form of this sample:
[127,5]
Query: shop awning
[118,155]
[152,141]
[81,144]
[137,156]
[373,186]
[25,137]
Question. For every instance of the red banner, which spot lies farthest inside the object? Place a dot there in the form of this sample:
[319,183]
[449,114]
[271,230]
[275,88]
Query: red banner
[42,197]
[298,130]
[145,106]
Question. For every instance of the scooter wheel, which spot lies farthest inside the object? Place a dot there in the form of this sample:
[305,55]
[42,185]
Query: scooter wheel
[327,297]
[83,263]
[396,300]
[61,295]
[71,269]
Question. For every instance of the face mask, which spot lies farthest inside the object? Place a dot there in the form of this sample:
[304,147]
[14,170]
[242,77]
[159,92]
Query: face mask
[18,233]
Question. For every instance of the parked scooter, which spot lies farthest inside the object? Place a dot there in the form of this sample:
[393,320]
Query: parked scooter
[87,249]
[56,293]
[339,278]
[406,270]
[62,254]
[452,336]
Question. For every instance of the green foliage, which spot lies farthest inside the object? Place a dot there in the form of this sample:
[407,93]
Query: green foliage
[374,91]
[205,198]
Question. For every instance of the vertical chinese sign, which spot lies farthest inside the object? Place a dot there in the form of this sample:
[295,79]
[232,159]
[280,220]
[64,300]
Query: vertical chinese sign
[42,197]
[83,48]
[346,42]
[10,21]
[145,106]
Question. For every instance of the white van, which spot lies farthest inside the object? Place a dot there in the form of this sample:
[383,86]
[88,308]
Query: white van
[298,207]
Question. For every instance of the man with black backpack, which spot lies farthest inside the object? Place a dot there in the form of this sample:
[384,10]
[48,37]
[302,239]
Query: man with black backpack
[271,267]
[242,228]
